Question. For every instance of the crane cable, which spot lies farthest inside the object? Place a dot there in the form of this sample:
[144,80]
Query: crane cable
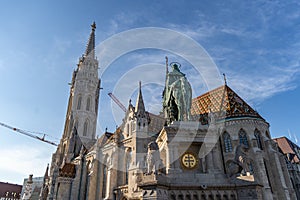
[29,133]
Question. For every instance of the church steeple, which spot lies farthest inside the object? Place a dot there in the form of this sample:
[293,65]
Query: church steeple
[84,97]
[90,47]
[140,107]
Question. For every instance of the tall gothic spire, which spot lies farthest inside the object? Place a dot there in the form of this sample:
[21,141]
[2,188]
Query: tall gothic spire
[90,48]
[140,107]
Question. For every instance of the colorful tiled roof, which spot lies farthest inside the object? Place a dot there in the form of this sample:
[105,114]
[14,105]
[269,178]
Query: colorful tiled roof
[222,99]
[68,170]
[103,139]
[287,147]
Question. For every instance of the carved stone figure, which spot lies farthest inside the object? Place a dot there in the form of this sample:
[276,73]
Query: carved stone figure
[29,187]
[153,158]
[241,161]
[242,158]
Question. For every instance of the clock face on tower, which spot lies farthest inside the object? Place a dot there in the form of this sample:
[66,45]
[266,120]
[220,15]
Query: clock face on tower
[189,160]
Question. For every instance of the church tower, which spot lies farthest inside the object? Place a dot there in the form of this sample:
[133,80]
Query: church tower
[140,136]
[84,95]
[81,119]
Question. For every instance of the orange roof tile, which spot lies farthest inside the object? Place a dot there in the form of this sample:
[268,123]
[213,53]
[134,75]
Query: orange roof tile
[68,170]
[286,146]
[222,99]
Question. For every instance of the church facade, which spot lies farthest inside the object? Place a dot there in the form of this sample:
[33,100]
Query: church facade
[214,146]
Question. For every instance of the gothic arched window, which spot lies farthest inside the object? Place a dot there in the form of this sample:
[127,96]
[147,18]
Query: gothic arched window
[127,165]
[76,124]
[79,103]
[227,142]
[85,127]
[88,103]
[104,180]
[268,134]
[127,130]
[88,179]
[258,139]
[243,138]
[251,168]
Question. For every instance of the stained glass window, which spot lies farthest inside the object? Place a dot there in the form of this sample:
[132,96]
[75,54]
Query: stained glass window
[227,142]
[243,138]
[258,138]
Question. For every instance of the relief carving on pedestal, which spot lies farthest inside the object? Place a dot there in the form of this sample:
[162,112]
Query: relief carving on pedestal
[154,163]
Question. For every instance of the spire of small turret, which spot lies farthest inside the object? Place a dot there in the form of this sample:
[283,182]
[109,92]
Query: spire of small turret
[140,107]
[167,63]
[46,172]
[225,80]
[90,48]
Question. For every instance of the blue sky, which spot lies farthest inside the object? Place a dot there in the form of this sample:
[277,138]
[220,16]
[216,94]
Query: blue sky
[256,43]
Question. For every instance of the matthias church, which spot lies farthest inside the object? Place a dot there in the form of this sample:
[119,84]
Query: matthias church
[212,147]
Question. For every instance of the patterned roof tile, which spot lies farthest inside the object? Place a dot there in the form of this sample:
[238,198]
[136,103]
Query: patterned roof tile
[222,99]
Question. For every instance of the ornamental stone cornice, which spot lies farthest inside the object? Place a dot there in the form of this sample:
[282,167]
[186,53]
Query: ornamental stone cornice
[239,121]
[65,180]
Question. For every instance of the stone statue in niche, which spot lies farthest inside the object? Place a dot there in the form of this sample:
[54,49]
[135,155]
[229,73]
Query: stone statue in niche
[241,162]
[154,163]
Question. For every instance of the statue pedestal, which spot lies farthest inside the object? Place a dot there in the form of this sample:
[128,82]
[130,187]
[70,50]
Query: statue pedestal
[249,177]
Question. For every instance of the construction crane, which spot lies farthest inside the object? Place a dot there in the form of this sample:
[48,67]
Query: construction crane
[28,133]
[116,100]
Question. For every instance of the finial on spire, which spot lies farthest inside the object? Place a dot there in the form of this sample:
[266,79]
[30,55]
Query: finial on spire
[46,172]
[90,48]
[93,26]
[167,63]
[140,107]
[225,81]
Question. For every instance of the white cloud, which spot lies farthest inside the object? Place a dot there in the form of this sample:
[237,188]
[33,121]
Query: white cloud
[256,87]
[24,160]
[202,31]
[249,61]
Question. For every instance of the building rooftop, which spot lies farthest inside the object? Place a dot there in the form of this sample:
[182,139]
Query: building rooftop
[288,148]
[222,99]
[9,190]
